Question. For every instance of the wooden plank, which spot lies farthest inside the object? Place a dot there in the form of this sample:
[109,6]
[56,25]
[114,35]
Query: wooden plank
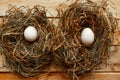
[51,5]
[62,76]
[117,38]
[1,21]
[113,62]
[103,76]
[43,76]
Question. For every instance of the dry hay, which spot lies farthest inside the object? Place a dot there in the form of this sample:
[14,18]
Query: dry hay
[72,55]
[26,58]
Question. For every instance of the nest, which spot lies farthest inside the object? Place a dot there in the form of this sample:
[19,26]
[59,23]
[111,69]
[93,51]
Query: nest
[26,58]
[72,55]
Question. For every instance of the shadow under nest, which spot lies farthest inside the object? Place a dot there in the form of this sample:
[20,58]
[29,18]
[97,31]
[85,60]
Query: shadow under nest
[26,58]
[72,55]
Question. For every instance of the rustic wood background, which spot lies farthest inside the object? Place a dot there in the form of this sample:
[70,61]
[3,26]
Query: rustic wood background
[109,72]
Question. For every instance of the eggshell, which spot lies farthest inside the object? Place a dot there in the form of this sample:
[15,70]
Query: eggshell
[30,33]
[87,36]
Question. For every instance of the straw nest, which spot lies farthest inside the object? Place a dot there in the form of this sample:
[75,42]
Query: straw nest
[72,55]
[26,58]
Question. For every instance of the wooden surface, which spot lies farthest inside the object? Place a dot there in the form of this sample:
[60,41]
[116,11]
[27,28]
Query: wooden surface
[61,76]
[109,72]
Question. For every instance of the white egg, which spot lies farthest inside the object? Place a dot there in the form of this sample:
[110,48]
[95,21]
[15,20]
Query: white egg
[30,33]
[87,36]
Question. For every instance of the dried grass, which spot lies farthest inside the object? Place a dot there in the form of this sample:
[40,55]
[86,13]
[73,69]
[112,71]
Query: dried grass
[72,55]
[26,58]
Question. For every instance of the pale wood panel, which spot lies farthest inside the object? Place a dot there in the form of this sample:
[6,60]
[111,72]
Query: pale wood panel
[51,5]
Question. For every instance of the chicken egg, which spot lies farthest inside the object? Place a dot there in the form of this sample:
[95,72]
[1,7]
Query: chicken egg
[87,36]
[30,34]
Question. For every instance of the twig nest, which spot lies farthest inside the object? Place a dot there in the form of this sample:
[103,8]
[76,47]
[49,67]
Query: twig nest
[25,40]
[87,30]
